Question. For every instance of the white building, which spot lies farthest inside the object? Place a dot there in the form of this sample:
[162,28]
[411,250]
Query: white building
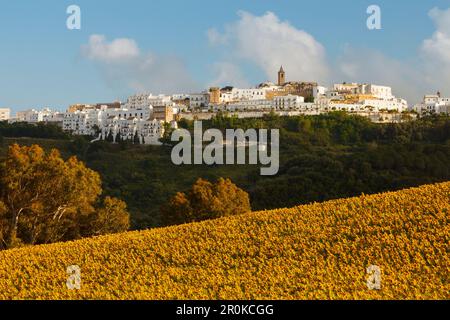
[36,116]
[102,120]
[239,94]
[5,114]
[433,104]
[130,122]
[138,101]
[132,128]
[380,92]
[433,99]
[248,94]
[198,100]
[250,105]
[288,102]
[53,117]
[226,96]
[124,113]
[333,95]
[90,121]
[180,96]
[346,88]
[445,109]
[160,100]
[82,122]
[393,104]
[31,115]
[319,91]
[366,96]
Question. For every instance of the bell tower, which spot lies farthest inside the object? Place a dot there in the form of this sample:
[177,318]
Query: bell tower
[281,77]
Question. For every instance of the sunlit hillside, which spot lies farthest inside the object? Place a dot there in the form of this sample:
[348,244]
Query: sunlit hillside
[317,251]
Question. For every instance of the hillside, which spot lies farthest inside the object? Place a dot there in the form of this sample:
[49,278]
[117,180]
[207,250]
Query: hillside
[313,251]
[322,158]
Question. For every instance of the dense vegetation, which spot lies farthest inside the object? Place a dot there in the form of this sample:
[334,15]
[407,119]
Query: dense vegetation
[39,130]
[317,251]
[205,200]
[321,157]
[45,199]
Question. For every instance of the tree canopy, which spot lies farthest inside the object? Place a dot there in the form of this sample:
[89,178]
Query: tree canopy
[322,157]
[45,199]
[206,200]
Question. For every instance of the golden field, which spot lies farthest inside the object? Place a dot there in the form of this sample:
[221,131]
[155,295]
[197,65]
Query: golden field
[316,251]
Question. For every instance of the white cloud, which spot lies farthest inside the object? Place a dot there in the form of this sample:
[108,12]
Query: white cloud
[215,38]
[436,50]
[266,42]
[227,73]
[117,50]
[369,66]
[441,18]
[124,67]
[269,43]
[426,73]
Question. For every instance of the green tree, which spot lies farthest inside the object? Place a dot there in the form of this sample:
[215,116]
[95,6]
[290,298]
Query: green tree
[204,201]
[166,139]
[44,198]
[136,139]
[119,138]
[309,99]
[112,217]
[110,137]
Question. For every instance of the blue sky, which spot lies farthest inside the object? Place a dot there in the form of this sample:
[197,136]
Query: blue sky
[42,63]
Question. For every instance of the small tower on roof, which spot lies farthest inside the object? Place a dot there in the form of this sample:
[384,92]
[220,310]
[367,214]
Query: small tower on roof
[281,77]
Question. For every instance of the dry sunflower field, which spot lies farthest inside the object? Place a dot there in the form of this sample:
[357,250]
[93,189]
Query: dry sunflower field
[316,251]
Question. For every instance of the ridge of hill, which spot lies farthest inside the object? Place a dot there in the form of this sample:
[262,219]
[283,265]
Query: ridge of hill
[315,251]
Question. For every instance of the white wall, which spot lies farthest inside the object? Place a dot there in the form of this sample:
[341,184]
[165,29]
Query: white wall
[288,102]
[5,114]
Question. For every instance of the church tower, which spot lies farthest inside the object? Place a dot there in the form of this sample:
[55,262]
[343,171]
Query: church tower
[281,77]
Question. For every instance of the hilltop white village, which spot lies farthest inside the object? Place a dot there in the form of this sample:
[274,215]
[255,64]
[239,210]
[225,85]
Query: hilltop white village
[142,117]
